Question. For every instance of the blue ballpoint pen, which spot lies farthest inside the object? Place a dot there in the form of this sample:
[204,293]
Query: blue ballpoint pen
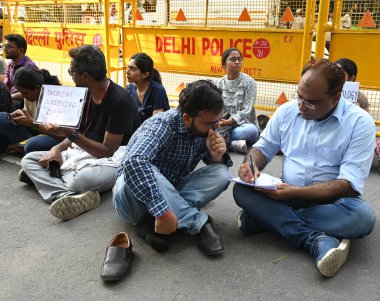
[252,167]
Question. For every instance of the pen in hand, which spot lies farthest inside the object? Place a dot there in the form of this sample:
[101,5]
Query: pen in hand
[252,167]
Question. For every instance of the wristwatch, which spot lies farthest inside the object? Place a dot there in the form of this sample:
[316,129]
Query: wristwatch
[74,137]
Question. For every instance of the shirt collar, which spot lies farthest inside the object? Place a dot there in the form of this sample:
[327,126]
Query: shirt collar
[23,60]
[181,124]
[339,110]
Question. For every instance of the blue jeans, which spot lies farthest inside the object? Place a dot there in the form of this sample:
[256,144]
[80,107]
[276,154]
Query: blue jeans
[246,131]
[40,143]
[198,188]
[349,218]
[13,133]
[17,133]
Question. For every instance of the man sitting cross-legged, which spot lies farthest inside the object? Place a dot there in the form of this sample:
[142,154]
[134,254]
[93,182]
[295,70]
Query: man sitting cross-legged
[157,187]
[91,155]
[328,145]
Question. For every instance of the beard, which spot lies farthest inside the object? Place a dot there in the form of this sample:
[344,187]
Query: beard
[194,132]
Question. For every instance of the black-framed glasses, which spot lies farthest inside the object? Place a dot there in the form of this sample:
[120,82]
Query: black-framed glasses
[234,59]
[7,47]
[71,72]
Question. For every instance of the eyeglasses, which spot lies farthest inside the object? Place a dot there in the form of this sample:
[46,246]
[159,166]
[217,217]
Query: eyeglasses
[305,102]
[211,124]
[71,72]
[310,104]
[234,59]
[7,47]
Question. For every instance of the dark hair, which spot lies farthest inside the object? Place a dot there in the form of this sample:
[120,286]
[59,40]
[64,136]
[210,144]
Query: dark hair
[90,59]
[19,40]
[333,74]
[227,52]
[201,95]
[145,63]
[349,66]
[29,78]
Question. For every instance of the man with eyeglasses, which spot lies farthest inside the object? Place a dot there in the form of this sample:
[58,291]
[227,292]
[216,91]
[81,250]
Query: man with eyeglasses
[157,188]
[15,48]
[87,158]
[328,146]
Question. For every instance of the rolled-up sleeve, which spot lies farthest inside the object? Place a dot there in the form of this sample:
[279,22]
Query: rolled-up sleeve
[357,160]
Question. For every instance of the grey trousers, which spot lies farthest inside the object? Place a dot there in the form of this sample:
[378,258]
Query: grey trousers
[100,178]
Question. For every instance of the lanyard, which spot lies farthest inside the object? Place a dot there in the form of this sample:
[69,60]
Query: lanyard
[88,109]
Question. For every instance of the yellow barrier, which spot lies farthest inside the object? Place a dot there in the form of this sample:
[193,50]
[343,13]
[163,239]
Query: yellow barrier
[186,38]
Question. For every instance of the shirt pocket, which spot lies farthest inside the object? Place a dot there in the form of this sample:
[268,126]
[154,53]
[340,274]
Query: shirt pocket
[329,157]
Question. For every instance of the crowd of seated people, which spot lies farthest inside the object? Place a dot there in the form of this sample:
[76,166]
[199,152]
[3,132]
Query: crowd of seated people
[129,140]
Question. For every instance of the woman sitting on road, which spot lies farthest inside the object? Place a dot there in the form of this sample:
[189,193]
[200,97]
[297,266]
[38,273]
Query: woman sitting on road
[145,86]
[240,124]
[18,125]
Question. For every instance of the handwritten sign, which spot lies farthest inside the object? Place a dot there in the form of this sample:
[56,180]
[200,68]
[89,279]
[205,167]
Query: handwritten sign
[350,91]
[61,105]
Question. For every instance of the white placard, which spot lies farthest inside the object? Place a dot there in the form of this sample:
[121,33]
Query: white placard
[61,105]
[350,91]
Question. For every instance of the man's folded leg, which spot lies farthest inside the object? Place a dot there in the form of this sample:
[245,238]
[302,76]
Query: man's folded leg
[135,212]
[261,211]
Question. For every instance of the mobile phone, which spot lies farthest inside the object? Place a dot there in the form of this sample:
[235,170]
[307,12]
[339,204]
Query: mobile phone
[54,170]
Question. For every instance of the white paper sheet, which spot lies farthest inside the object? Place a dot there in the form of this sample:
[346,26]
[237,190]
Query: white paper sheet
[263,181]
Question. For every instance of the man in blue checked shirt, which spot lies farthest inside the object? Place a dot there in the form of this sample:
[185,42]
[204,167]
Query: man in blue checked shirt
[328,145]
[157,188]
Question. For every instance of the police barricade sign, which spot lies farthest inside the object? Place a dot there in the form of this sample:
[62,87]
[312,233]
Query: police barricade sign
[51,43]
[267,55]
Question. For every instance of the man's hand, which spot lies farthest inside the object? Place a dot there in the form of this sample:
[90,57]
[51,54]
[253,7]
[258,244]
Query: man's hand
[284,192]
[52,155]
[57,131]
[166,225]
[227,122]
[216,146]
[245,172]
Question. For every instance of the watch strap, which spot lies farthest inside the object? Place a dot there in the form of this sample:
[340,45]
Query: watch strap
[74,137]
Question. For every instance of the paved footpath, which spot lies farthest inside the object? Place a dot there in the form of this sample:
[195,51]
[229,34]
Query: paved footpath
[42,258]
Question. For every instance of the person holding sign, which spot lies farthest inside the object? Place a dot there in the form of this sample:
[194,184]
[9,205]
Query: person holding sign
[350,72]
[240,123]
[18,126]
[88,157]
[328,145]
[145,86]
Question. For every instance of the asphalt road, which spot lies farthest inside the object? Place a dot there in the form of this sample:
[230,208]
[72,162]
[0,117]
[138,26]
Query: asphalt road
[43,258]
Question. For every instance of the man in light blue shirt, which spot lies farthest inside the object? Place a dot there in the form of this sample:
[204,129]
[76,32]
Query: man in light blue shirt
[328,145]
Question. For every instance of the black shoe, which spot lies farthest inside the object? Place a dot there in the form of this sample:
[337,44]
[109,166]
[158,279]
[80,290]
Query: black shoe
[145,230]
[208,240]
[23,177]
[118,259]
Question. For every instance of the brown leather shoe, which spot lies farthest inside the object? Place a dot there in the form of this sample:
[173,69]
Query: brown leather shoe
[118,258]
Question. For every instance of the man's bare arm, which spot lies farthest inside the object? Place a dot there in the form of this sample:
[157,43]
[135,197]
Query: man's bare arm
[321,193]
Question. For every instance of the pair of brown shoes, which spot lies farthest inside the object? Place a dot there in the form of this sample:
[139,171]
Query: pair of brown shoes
[118,259]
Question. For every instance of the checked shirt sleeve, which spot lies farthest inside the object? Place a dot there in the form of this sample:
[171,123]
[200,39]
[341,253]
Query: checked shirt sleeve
[138,171]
